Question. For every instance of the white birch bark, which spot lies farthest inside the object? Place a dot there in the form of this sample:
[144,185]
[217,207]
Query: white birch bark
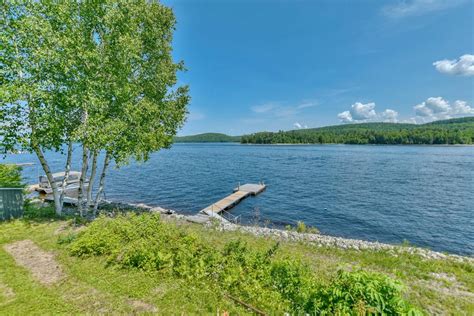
[67,170]
[101,182]
[92,177]
[49,175]
[82,180]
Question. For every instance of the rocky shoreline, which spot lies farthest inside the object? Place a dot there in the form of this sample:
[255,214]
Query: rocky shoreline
[318,240]
[321,240]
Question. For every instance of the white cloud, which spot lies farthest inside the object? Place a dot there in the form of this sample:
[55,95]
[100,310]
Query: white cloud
[463,67]
[422,110]
[345,116]
[436,108]
[432,109]
[361,112]
[460,107]
[299,126]
[418,7]
[437,105]
[389,115]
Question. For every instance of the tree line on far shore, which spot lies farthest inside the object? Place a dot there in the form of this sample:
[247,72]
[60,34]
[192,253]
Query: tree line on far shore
[207,138]
[454,131]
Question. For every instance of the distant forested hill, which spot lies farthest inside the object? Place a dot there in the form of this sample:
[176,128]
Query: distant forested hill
[207,138]
[453,131]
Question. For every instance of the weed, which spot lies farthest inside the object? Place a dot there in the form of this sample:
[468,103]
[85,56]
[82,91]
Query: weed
[302,228]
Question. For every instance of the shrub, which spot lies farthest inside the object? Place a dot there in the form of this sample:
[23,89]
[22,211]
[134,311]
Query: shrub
[33,211]
[294,282]
[10,176]
[66,239]
[254,276]
[302,228]
[107,236]
[312,230]
[360,293]
[245,273]
[144,242]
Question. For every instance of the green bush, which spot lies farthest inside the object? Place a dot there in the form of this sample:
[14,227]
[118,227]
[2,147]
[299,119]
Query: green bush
[302,228]
[144,242]
[33,211]
[10,176]
[294,281]
[259,278]
[360,293]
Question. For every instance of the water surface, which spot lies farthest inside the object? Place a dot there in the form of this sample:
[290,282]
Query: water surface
[422,194]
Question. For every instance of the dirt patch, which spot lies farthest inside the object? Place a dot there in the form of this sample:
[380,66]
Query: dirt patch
[62,228]
[88,299]
[40,263]
[6,294]
[68,227]
[92,301]
[142,307]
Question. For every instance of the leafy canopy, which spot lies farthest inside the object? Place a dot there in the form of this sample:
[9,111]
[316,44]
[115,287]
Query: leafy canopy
[96,72]
[10,176]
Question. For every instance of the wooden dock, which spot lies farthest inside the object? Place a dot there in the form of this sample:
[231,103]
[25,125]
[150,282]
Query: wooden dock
[240,193]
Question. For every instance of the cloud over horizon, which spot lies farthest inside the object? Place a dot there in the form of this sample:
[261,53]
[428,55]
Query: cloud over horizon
[437,108]
[360,112]
[462,67]
[432,109]
[299,126]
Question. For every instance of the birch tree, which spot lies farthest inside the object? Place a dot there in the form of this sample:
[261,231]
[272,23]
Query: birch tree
[37,107]
[99,73]
[143,109]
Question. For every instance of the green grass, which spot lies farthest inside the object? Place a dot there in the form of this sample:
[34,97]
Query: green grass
[94,285]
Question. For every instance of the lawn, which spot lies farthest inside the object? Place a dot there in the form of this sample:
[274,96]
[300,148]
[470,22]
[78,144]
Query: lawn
[92,284]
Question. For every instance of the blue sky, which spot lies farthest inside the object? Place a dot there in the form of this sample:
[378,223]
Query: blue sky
[271,65]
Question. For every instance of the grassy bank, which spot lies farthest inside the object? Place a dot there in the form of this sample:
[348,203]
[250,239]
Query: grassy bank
[96,279]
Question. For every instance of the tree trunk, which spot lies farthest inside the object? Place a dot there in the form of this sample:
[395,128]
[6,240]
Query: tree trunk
[92,177]
[101,182]
[82,179]
[57,205]
[66,172]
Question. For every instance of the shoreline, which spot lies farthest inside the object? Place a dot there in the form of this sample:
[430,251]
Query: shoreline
[319,240]
[330,144]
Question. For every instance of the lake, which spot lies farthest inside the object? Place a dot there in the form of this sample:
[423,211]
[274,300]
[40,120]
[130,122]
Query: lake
[422,194]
